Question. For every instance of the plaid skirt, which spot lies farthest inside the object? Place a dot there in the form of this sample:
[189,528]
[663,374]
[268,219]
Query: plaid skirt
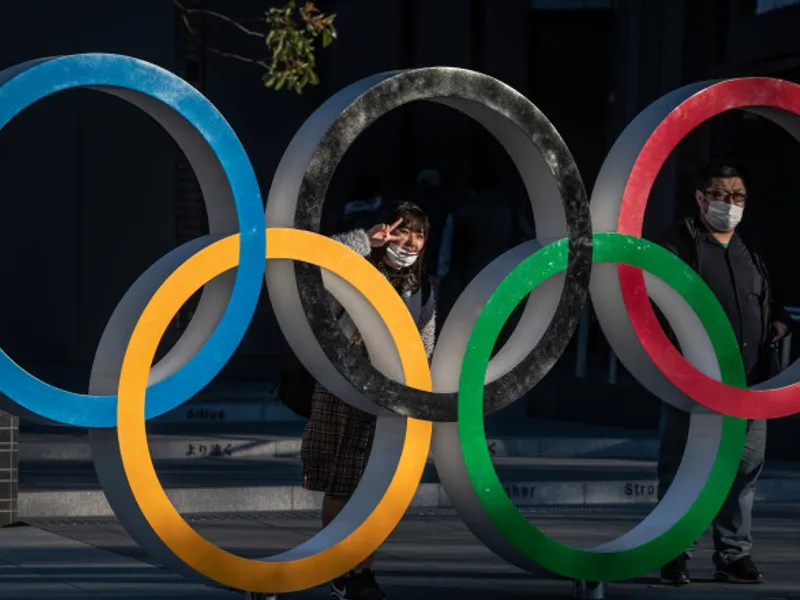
[336,445]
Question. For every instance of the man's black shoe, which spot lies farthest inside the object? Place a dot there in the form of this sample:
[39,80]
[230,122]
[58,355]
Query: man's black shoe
[356,586]
[676,572]
[743,570]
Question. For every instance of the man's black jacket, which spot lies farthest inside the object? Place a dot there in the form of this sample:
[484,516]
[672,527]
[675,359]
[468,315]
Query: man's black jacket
[683,239]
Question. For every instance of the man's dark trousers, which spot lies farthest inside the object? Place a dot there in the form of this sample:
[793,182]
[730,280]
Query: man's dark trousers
[732,526]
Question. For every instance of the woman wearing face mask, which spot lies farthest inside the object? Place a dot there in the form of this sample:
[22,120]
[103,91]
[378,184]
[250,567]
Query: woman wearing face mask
[338,438]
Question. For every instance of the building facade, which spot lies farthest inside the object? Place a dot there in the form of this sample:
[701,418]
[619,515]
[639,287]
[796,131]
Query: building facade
[658,46]
[95,192]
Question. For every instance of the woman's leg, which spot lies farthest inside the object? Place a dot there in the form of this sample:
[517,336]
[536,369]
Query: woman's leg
[332,506]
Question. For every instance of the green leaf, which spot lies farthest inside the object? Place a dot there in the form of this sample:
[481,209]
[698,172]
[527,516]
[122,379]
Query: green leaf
[293,44]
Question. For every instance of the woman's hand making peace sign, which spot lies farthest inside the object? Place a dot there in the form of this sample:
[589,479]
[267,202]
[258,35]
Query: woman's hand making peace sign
[382,234]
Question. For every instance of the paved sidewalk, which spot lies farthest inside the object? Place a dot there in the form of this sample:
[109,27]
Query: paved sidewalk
[430,556]
[35,563]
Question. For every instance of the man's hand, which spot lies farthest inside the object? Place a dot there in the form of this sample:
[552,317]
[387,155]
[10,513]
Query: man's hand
[780,331]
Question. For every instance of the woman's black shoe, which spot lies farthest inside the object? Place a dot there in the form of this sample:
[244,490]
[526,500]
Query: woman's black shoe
[676,572]
[356,586]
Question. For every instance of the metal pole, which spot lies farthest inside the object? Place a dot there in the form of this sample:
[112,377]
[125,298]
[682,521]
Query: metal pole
[786,343]
[612,369]
[786,351]
[583,343]
[590,590]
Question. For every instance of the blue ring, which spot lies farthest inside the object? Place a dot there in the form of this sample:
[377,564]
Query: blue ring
[24,84]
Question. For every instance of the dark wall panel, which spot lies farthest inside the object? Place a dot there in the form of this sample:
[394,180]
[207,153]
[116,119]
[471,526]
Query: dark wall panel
[127,167]
[88,186]
[753,38]
[38,309]
[442,136]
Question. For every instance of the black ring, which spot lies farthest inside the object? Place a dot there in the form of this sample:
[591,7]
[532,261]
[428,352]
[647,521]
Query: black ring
[445,83]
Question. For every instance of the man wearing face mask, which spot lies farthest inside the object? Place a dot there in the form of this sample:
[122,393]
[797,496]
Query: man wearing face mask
[709,244]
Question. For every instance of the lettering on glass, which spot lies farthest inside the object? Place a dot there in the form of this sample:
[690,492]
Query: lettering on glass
[205,414]
[520,493]
[641,490]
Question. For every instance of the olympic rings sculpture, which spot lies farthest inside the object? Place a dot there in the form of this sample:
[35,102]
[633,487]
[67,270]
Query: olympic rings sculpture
[417,406]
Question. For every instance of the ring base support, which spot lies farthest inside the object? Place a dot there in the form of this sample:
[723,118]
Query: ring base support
[259,596]
[589,590]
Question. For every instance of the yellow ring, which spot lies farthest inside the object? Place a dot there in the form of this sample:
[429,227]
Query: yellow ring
[194,550]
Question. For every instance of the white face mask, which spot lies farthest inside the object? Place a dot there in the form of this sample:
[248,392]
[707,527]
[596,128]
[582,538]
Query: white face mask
[723,216]
[400,257]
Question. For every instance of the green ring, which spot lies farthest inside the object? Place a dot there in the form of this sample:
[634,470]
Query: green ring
[547,552]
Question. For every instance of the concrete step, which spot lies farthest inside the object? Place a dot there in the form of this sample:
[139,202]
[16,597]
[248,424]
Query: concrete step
[525,438]
[46,447]
[249,485]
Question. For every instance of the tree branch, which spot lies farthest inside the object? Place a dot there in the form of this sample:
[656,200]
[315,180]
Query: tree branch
[216,15]
[252,61]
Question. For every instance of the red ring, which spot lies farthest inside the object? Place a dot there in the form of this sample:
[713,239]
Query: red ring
[707,103]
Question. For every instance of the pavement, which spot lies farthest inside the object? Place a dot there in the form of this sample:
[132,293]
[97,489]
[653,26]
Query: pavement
[580,484]
[430,555]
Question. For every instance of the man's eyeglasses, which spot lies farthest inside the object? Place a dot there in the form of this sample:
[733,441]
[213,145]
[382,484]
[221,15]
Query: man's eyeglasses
[729,198]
